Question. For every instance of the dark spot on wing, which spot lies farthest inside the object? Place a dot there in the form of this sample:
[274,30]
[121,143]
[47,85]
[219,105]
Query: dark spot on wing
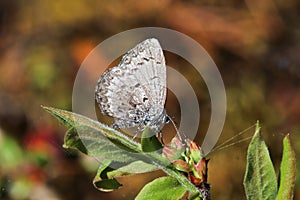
[145,99]
[154,77]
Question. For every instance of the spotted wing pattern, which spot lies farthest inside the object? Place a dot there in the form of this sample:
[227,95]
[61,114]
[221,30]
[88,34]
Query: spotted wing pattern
[134,92]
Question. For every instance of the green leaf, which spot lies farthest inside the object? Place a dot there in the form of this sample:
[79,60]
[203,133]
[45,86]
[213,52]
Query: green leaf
[63,116]
[101,180]
[96,139]
[73,141]
[287,171]
[195,196]
[196,153]
[105,143]
[260,179]
[105,177]
[164,188]
[132,168]
[149,141]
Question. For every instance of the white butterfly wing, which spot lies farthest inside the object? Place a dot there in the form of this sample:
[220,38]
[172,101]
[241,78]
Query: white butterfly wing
[136,87]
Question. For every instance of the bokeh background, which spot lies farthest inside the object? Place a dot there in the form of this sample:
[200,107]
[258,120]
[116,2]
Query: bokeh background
[255,45]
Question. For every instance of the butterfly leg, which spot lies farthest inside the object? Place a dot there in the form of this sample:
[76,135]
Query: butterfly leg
[136,133]
[160,137]
[179,135]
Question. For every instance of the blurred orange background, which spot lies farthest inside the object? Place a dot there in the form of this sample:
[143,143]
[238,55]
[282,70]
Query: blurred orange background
[255,45]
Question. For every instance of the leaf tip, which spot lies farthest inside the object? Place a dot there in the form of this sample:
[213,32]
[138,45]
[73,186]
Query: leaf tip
[257,129]
[257,125]
[287,136]
[46,108]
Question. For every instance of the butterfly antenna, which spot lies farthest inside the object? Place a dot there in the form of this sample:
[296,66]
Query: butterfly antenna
[229,145]
[225,144]
[177,131]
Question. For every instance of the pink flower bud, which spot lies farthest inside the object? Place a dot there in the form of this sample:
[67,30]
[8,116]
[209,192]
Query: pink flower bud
[181,165]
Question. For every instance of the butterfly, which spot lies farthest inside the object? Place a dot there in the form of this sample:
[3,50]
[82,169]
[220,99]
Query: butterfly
[134,92]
